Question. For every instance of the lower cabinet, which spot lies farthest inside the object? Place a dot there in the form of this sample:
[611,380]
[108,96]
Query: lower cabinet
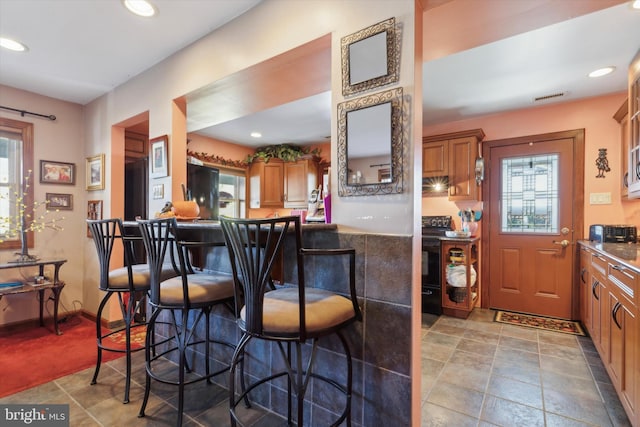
[610,314]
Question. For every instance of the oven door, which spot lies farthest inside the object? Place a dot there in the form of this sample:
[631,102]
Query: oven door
[431,271]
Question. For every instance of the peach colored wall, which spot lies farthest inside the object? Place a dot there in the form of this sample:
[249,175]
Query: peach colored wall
[60,140]
[595,115]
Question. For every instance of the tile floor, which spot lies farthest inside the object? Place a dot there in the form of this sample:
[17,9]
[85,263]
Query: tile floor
[477,372]
[101,404]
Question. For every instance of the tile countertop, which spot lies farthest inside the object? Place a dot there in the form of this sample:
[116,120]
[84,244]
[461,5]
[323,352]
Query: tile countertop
[627,254]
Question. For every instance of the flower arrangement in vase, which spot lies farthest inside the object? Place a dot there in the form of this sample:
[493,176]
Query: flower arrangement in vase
[25,219]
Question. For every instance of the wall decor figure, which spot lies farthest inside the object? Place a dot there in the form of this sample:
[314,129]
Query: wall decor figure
[602,163]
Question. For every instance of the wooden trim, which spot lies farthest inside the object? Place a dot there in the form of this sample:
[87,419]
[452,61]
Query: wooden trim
[477,133]
[622,111]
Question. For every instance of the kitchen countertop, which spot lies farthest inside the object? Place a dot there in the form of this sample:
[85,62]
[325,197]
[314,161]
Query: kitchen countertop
[627,254]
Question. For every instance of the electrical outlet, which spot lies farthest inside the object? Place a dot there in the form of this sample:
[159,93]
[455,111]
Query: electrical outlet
[600,198]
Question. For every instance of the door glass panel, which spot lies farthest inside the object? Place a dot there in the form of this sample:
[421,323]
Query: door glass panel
[529,200]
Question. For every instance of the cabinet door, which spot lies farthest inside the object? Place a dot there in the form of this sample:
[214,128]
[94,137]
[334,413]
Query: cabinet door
[435,159]
[599,315]
[300,178]
[462,159]
[585,288]
[623,351]
[271,185]
[634,128]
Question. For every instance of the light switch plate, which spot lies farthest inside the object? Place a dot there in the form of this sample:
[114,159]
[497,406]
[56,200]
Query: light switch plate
[600,198]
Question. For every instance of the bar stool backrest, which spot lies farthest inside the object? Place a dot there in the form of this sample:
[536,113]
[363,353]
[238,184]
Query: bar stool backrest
[255,246]
[105,233]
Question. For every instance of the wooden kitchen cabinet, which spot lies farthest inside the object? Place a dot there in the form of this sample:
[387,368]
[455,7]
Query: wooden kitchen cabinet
[611,318]
[278,184]
[454,155]
[585,287]
[435,159]
[623,363]
[460,286]
[266,184]
[634,128]
[599,314]
[622,117]
[300,178]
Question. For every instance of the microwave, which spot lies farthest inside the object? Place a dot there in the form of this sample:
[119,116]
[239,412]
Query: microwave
[601,233]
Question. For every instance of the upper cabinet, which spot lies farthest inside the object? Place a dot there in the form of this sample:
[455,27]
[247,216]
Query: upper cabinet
[634,127]
[454,155]
[278,184]
[622,117]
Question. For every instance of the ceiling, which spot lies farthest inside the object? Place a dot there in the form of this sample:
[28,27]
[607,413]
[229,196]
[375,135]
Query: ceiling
[79,51]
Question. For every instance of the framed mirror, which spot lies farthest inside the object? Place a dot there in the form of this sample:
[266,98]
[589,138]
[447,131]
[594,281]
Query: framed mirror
[369,58]
[370,144]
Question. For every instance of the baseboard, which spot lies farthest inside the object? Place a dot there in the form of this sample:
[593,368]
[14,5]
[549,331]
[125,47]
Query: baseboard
[35,322]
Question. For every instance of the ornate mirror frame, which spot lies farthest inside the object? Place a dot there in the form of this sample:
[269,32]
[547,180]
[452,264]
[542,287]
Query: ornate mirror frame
[395,184]
[375,47]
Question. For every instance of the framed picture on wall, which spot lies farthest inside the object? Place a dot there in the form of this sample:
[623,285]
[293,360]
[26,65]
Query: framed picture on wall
[56,201]
[159,156]
[95,172]
[57,172]
[94,211]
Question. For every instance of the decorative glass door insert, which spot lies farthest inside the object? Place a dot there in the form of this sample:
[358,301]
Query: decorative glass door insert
[529,194]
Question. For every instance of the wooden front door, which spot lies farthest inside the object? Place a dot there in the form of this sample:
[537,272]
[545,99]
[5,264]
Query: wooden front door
[534,193]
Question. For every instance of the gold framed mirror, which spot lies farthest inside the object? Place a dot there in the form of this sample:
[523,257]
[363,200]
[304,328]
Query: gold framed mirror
[370,144]
[369,58]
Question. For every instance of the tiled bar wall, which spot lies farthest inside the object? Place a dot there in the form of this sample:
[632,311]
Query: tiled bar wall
[380,344]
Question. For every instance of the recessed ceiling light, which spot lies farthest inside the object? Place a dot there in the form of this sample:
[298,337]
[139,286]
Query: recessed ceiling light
[602,72]
[140,7]
[256,135]
[12,45]
[636,4]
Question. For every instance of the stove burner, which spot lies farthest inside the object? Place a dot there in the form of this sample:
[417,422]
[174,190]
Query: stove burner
[443,222]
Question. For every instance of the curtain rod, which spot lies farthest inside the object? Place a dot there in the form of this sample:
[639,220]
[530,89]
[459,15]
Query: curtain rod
[23,112]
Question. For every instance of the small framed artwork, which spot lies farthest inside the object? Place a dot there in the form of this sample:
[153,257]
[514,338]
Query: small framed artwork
[94,211]
[63,202]
[95,172]
[57,172]
[159,156]
[158,191]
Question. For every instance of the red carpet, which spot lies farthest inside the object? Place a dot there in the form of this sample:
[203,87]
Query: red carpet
[37,355]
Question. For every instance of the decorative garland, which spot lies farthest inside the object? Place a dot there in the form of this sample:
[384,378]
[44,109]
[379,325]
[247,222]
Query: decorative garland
[218,160]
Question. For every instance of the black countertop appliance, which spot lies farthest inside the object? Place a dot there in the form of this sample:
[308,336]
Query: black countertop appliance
[202,186]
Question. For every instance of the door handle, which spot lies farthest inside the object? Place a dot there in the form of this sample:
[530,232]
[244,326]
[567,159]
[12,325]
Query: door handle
[563,243]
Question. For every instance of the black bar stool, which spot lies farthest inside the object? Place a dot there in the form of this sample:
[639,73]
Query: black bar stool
[191,291]
[291,314]
[130,283]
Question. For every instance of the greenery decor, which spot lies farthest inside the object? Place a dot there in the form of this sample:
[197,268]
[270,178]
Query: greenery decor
[218,160]
[284,152]
[26,219]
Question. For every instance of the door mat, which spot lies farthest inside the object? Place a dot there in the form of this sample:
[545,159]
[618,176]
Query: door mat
[539,322]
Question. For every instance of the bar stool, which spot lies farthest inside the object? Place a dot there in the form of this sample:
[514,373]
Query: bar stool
[190,291]
[130,283]
[291,314]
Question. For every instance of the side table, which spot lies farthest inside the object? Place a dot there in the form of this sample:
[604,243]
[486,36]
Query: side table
[54,285]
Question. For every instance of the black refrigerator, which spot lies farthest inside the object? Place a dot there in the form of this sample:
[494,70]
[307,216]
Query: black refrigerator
[202,186]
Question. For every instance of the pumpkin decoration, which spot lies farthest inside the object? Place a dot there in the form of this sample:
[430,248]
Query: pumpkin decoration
[186,209]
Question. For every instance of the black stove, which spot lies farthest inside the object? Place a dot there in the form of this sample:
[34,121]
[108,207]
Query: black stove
[435,226]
